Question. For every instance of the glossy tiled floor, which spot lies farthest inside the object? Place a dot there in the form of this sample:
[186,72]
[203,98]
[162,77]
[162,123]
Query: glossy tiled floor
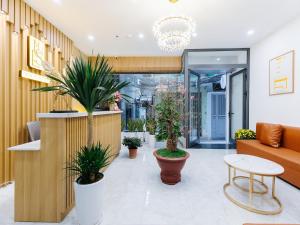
[134,195]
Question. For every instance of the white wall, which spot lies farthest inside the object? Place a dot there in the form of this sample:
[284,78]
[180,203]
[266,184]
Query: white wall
[283,109]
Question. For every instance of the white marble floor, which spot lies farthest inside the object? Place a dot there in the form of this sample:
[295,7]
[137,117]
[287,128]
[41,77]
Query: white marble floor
[134,195]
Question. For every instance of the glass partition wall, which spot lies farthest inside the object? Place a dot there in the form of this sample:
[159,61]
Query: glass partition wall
[144,92]
[216,88]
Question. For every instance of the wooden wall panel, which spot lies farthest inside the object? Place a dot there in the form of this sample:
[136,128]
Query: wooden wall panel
[18,104]
[4,6]
[145,64]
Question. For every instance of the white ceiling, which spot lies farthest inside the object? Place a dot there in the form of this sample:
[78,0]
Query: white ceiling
[219,23]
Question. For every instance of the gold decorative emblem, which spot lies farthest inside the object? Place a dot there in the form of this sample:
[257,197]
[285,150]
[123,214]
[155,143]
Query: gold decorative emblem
[36,52]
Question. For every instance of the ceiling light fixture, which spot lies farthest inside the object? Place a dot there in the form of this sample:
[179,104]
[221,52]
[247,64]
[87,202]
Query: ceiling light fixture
[250,32]
[141,36]
[57,2]
[174,33]
[91,37]
[173,1]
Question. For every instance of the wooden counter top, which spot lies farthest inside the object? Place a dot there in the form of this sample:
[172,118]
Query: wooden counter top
[30,146]
[74,115]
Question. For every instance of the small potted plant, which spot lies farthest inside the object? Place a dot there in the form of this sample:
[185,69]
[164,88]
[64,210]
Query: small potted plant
[132,143]
[151,128]
[170,159]
[87,165]
[245,134]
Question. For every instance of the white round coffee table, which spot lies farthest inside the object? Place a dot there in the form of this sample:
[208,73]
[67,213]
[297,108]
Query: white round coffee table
[254,166]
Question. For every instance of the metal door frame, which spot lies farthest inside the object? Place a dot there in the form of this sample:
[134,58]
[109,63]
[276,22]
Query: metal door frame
[245,96]
[185,70]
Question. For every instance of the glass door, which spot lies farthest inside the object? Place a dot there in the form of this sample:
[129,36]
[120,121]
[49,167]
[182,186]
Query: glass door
[194,105]
[237,104]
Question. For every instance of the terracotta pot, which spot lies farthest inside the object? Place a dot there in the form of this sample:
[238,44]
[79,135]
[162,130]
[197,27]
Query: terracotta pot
[132,153]
[170,168]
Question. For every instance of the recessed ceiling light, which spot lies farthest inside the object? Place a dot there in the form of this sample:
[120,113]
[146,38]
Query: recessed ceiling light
[57,2]
[194,34]
[91,37]
[218,59]
[141,36]
[250,32]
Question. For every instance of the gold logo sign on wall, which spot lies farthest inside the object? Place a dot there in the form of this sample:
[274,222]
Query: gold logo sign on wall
[36,53]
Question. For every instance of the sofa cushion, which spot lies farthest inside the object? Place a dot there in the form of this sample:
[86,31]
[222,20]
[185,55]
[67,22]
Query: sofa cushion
[283,156]
[291,138]
[271,135]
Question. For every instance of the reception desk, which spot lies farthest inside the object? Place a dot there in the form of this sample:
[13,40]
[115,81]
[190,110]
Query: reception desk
[43,187]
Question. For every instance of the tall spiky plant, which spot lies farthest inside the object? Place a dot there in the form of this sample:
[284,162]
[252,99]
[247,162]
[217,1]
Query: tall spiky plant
[88,83]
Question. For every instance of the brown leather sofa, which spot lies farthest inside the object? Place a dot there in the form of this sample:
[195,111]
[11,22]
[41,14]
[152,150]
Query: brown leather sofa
[287,155]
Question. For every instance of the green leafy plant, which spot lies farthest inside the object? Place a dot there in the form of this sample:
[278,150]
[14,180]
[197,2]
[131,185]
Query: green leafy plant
[132,143]
[88,162]
[90,84]
[168,122]
[131,126]
[245,134]
[151,126]
[139,125]
[123,125]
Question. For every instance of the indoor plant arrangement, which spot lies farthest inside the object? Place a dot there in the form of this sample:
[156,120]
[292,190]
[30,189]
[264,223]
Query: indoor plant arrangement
[91,85]
[245,134]
[151,129]
[170,159]
[132,143]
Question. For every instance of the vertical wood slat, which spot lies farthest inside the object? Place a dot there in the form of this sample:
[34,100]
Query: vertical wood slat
[17,102]
[27,15]
[4,6]
[11,11]
[22,15]
[17,16]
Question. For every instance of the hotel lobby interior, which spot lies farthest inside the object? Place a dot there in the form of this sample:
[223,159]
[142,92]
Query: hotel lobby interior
[163,112]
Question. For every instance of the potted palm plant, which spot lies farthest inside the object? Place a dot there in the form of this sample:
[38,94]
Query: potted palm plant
[170,159]
[91,85]
[132,143]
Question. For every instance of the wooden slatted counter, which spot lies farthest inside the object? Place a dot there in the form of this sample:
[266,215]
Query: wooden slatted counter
[43,187]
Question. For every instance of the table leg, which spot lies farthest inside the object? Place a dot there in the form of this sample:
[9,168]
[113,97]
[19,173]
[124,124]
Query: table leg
[229,174]
[234,172]
[273,186]
[250,188]
[262,179]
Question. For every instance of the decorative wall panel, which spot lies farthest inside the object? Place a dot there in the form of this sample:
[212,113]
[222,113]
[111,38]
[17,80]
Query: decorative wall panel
[18,104]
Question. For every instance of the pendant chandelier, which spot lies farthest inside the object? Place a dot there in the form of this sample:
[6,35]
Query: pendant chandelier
[174,33]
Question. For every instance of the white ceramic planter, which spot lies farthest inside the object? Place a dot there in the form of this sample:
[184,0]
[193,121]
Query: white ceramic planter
[152,141]
[88,203]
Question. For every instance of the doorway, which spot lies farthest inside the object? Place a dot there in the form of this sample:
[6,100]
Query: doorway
[217,104]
